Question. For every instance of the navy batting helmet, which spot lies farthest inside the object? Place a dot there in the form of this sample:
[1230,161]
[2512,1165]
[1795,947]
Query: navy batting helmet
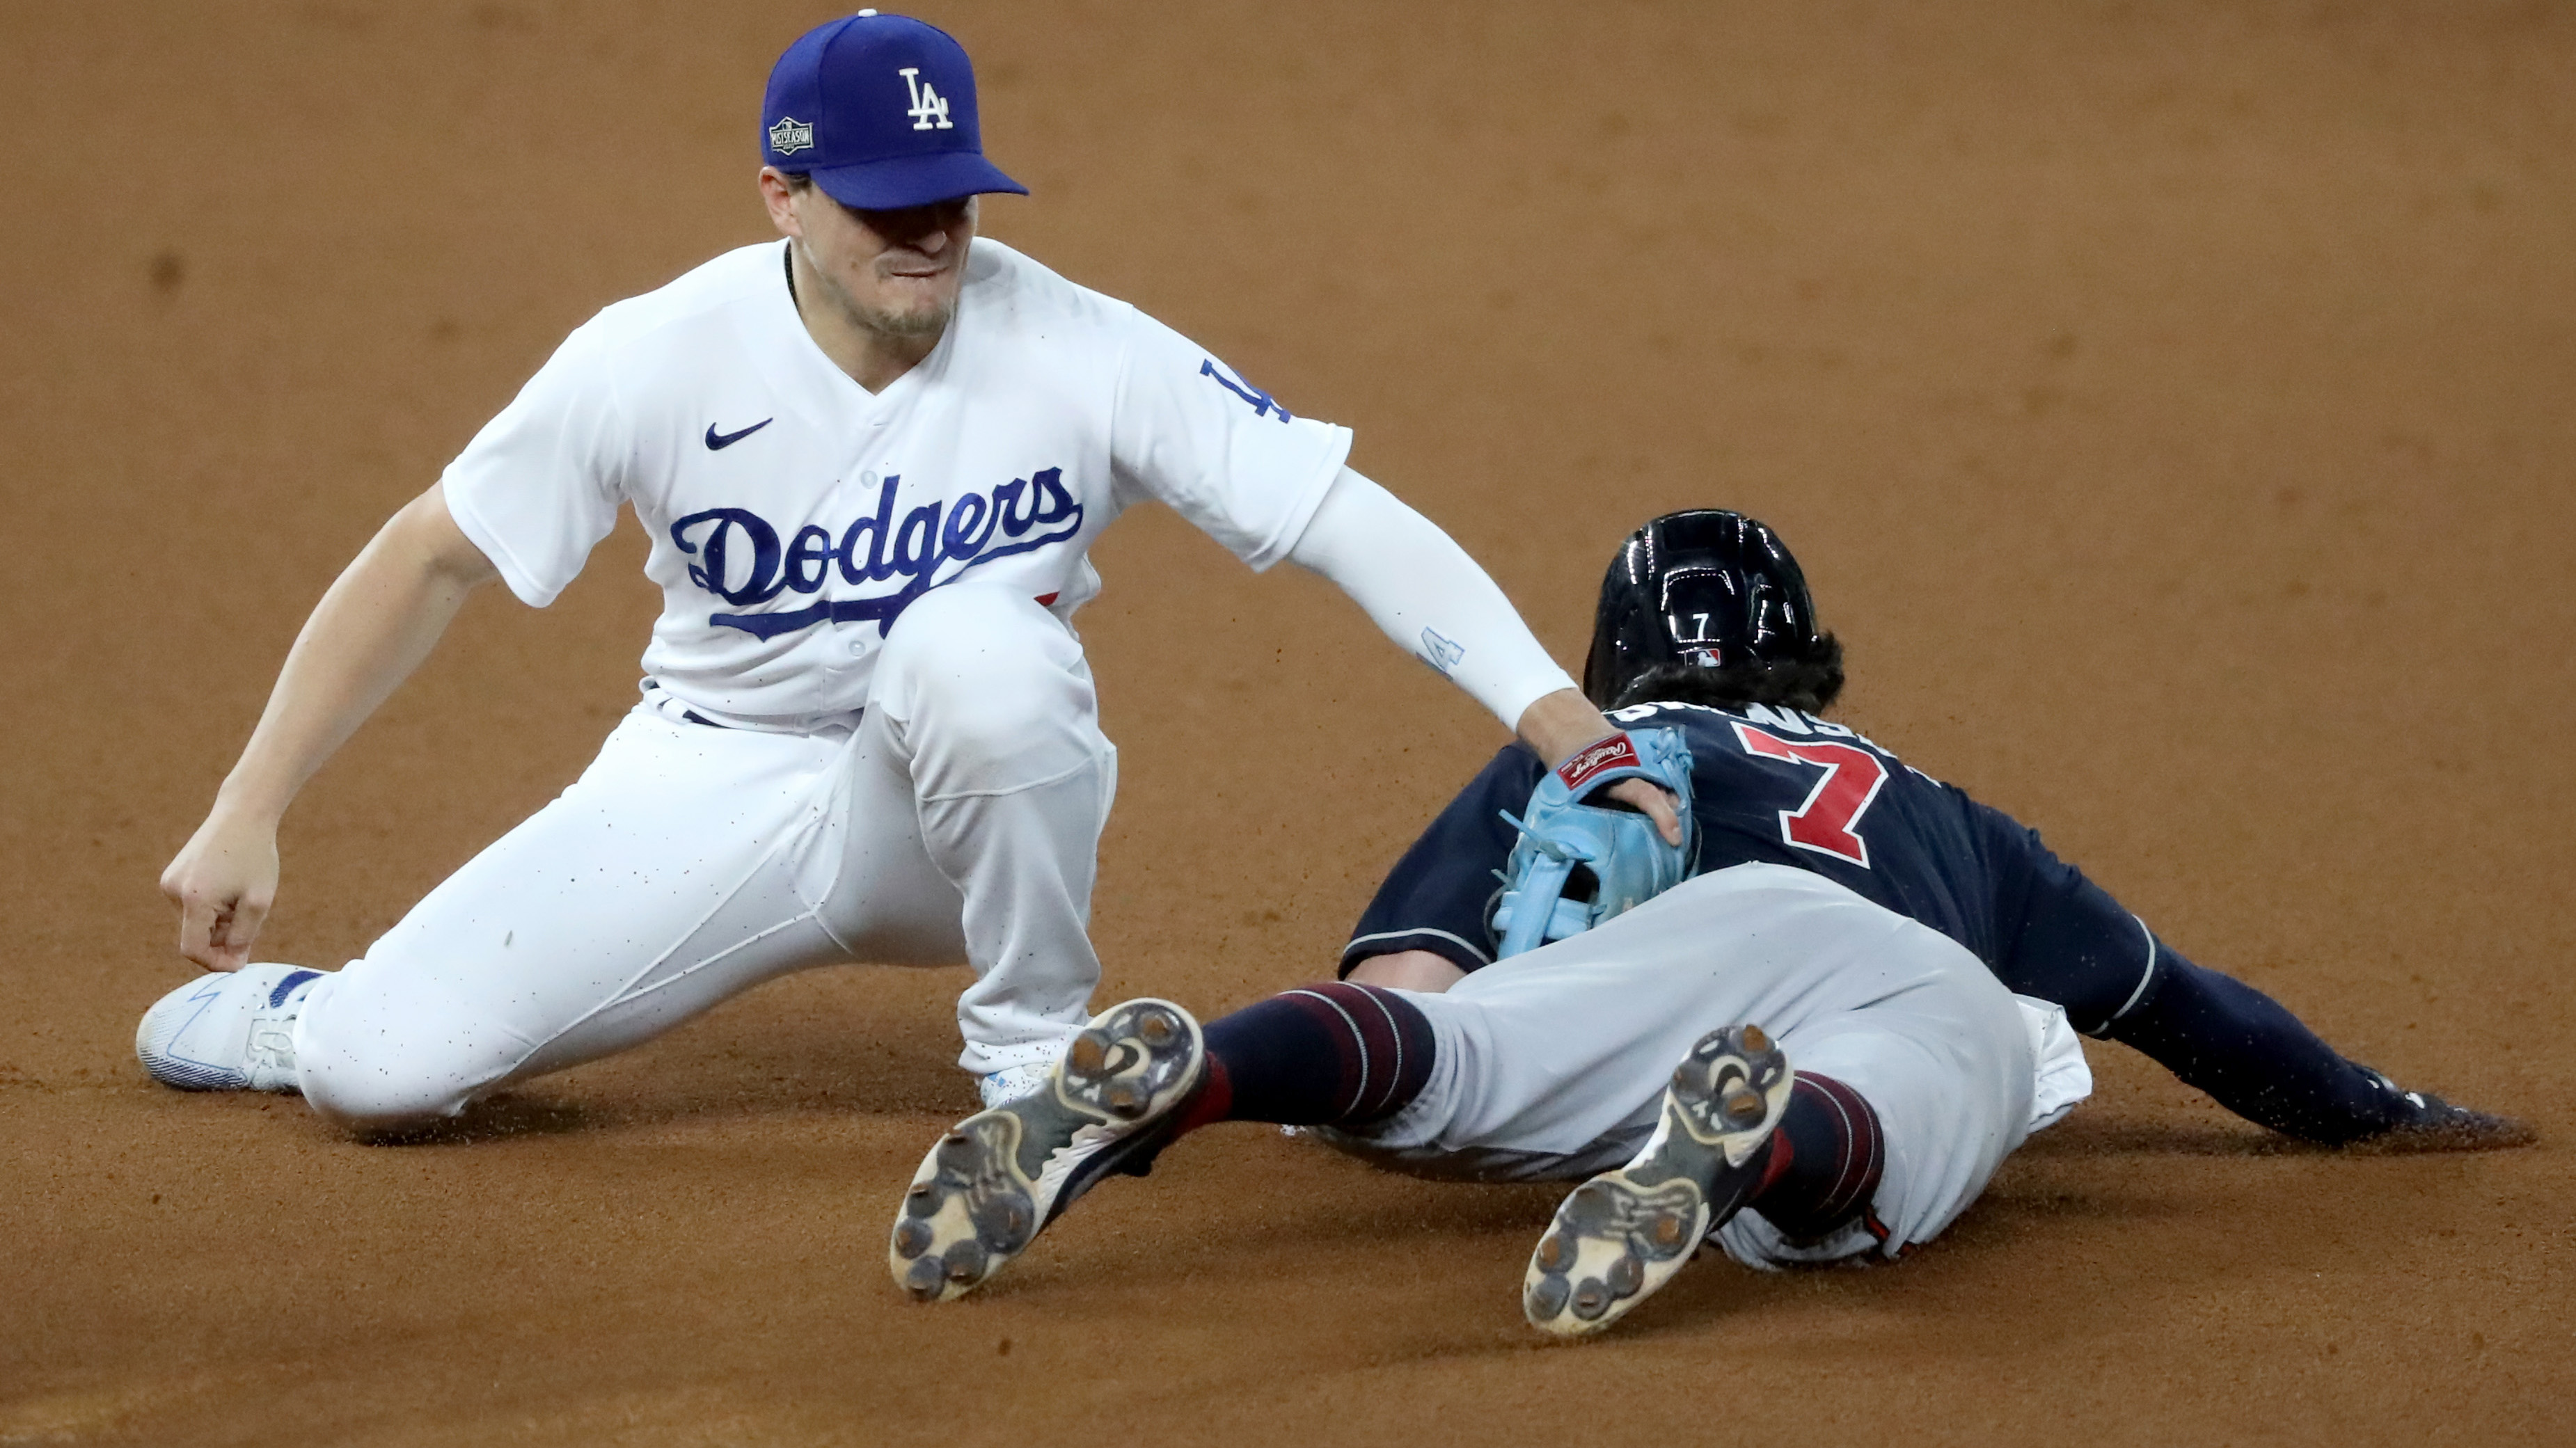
[1709,590]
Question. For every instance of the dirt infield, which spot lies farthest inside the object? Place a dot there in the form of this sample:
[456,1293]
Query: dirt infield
[2171,405]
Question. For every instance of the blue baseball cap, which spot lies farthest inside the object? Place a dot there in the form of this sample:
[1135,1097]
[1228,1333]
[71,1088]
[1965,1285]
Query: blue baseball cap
[880,110]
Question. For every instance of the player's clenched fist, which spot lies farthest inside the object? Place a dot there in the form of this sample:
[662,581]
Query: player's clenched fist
[223,882]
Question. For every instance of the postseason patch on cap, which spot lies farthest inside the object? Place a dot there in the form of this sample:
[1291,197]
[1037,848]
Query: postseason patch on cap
[790,136]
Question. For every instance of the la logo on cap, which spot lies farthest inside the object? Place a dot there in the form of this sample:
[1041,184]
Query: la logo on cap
[928,104]
[879,112]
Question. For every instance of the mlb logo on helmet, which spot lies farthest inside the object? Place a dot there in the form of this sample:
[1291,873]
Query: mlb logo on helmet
[880,110]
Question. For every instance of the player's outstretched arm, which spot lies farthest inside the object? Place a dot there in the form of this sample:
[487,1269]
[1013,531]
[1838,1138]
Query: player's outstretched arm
[1423,590]
[373,627]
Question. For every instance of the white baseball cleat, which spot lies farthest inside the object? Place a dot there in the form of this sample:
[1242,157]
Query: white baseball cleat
[228,1032]
[999,1177]
[1624,1233]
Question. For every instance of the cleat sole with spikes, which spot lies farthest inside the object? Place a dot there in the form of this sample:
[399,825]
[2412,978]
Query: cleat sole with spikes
[1626,1232]
[999,1177]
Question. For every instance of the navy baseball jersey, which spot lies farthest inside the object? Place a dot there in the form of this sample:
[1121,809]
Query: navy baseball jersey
[1782,787]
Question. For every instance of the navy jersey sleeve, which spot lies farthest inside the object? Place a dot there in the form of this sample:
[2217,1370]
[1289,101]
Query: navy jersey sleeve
[2059,936]
[1438,896]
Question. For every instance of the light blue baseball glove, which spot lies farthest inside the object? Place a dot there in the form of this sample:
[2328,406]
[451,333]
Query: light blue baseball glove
[1589,861]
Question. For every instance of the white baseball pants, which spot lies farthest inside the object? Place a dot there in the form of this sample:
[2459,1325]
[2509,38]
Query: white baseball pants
[959,819]
[1553,1064]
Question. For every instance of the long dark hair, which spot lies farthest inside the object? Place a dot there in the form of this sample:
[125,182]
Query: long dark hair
[1810,684]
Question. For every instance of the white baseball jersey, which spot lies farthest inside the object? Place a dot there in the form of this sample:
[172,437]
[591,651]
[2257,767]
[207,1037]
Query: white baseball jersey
[794,515]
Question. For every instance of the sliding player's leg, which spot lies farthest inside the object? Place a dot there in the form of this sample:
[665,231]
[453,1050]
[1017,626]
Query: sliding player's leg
[2069,942]
[1550,1066]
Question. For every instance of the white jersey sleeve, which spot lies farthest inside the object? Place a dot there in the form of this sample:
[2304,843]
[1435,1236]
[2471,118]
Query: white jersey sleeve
[1424,592]
[539,486]
[1188,430]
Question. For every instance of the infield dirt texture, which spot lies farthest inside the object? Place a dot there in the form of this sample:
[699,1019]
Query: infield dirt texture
[2174,406]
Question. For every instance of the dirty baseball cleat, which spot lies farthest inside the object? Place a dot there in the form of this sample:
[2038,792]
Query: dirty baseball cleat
[229,1032]
[1013,1082]
[1624,1233]
[1000,1176]
[2430,1123]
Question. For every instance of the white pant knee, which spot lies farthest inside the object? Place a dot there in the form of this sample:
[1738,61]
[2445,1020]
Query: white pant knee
[374,1059]
[986,691]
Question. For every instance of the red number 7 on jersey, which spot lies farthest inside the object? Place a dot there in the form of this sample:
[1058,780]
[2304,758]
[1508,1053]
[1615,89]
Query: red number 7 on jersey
[1827,822]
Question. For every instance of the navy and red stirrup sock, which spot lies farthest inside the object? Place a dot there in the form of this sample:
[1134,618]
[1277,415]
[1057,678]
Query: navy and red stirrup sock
[1827,1155]
[1322,1055]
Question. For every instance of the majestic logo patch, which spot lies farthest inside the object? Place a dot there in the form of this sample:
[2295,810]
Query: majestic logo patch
[743,560]
[719,441]
[790,136]
[929,108]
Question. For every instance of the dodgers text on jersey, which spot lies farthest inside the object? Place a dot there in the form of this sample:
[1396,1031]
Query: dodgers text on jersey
[743,560]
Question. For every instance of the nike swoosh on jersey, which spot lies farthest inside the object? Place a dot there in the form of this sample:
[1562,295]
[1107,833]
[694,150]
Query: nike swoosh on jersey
[718,441]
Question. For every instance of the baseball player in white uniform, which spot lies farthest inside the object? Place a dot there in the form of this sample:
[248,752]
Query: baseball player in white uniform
[871,460]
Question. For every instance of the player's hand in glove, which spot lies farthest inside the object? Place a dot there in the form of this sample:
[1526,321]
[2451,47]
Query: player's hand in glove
[223,882]
[1560,725]
[1583,857]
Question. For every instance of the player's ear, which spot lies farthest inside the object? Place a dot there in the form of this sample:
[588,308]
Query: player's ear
[779,191]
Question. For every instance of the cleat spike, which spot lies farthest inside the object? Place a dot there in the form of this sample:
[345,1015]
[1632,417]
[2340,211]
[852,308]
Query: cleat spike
[1088,1053]
[1742,1106]
[965,1262]
[922,1279]
[1545,1298]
